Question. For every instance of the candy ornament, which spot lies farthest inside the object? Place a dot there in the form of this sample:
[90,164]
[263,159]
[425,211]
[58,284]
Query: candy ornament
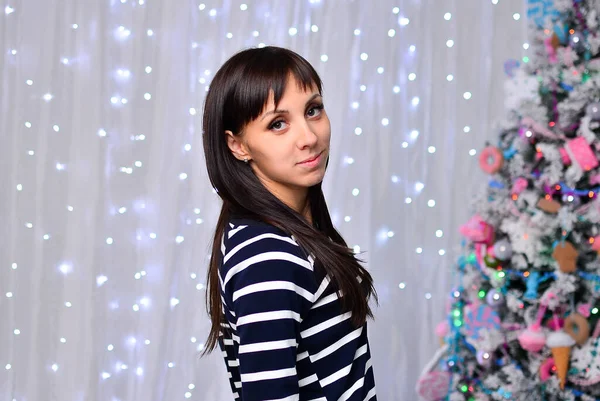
[432,384]
[477,230]
[533,338]
[581,151]
[520,185]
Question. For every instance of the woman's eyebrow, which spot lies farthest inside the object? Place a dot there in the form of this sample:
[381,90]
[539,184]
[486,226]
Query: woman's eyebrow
[313,97]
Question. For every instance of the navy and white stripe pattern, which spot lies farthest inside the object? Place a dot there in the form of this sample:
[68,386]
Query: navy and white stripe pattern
[285,338]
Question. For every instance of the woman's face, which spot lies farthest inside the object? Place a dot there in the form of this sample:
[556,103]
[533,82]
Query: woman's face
[287,148]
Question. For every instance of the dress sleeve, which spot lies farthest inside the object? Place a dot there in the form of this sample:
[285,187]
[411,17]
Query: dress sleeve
[270,291]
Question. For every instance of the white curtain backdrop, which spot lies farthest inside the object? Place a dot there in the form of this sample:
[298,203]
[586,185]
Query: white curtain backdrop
[106,212]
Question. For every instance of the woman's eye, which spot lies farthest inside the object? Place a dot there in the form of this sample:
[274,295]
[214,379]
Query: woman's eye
[315,110]
[277,125]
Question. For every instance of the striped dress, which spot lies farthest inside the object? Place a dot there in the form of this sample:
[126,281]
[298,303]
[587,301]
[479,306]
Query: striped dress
[285,336]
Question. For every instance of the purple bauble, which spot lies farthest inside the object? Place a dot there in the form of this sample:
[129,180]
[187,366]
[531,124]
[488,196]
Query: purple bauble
[494,298]
[593,111]
[484,358]
[572,200]
[502,250]
[577,41]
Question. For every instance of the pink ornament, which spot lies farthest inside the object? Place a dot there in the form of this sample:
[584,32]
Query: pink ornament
[584,310]
[564,156]
[555,324]
[539,156]
[442,329]
[596,332]
[595,179]
[596,244]
[491,160]
[550,50]
[532,339]
[519,186]
[546,369]
[478,230]
[583,154]
[433,386]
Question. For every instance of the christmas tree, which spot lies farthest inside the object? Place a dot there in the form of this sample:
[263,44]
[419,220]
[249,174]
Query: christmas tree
[523,320]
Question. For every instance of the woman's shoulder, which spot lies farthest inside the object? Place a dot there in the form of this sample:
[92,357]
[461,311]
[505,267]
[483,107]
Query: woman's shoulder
[247,237]
[263,252]
[250,227]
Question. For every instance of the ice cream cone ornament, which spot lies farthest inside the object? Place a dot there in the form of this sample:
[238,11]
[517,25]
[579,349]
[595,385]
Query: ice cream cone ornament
[560,344]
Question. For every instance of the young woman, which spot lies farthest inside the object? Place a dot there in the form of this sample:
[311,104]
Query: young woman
[287,298]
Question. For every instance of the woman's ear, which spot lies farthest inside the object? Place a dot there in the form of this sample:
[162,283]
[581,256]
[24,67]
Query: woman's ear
[236,146]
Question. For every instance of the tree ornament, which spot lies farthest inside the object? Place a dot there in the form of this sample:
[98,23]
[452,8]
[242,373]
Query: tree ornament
[519,185]
[593,111]
[433,386]
[484,358]
[585,76]
[441,330]
[502,250]
[549,205]
[547,368]
[494,298]
[533,338]
[578,328]
[566,255]
[577,41]
[477,230]
[560,344]
[580,150]
[571,200]
[491,160]
[490,261]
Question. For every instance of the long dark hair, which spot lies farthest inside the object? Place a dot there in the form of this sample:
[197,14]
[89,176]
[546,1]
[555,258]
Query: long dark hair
[237,95]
